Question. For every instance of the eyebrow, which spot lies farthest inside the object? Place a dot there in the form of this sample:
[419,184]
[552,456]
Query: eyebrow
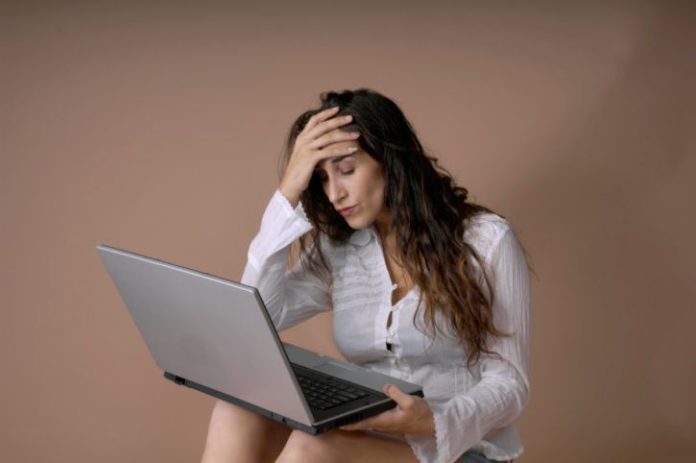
[341,158]
[337,160]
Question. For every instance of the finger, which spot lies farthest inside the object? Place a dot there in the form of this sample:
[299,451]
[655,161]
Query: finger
[384,420]
[332,137]
[328,125]
[403,400]
[319,117]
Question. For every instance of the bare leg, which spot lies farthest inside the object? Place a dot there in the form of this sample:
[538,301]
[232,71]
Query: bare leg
[238,435]
[344,447]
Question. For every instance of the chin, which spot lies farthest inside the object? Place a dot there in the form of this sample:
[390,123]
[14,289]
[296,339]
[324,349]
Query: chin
[357,223]
[354,225]
[354,222]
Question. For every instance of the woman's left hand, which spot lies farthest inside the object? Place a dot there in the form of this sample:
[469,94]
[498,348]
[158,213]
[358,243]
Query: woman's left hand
[412,415]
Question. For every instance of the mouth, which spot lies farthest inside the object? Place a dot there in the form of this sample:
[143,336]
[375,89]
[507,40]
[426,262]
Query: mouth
[346,211]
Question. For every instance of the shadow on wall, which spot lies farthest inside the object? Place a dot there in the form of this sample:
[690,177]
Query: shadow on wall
[614,216]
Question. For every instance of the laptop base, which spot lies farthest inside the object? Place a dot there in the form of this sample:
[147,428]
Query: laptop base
[314,429]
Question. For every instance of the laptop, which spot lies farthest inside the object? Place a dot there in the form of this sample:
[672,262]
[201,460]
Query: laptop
[216,336]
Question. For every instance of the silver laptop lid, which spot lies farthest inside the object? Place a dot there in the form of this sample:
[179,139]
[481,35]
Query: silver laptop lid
[208,330]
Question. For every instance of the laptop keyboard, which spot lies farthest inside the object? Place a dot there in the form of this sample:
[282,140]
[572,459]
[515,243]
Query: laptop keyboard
[324,392]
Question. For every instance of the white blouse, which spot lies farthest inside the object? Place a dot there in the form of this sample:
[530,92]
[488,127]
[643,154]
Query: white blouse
[473,408]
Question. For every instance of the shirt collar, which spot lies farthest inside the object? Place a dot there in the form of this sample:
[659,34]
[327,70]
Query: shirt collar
[361,237]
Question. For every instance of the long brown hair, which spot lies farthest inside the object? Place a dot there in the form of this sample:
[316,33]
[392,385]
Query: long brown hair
[428,212]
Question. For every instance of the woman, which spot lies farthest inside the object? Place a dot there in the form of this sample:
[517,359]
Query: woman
[423,285]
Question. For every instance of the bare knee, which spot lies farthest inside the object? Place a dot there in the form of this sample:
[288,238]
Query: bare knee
[224,408]
[228,419]
[303,447]
[236,434]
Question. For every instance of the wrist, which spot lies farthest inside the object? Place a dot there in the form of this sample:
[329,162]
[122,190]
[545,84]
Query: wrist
[427,427]
[292,197]
[431,425]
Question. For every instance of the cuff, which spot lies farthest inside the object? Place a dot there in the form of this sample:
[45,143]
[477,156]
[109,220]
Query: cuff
[284,203]
[430,449]
[281,226]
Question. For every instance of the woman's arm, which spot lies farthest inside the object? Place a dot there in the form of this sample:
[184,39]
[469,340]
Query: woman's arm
[294,295]
[499,398]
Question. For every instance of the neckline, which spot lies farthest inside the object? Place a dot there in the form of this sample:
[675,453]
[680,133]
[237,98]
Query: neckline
[371,232]
[403,298]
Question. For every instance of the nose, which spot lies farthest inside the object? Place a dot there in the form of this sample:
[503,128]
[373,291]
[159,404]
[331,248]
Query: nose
[334,191]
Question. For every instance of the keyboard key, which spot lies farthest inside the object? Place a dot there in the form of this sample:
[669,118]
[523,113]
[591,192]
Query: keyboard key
[325,393]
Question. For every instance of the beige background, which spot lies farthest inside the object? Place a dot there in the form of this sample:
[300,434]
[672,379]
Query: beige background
[156,127]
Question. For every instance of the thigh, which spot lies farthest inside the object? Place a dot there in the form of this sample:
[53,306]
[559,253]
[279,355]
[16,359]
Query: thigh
[237,434]
[472,456]
[276,436]
[346,447]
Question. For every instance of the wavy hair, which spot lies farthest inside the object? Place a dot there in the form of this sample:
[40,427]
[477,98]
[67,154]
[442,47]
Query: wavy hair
[428,213]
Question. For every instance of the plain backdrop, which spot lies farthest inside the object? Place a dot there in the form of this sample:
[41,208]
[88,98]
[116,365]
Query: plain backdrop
[157,127]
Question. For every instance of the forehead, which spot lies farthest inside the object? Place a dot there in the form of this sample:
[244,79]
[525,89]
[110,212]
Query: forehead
[327,163]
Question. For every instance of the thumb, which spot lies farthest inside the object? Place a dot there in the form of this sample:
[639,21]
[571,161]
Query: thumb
[402,399]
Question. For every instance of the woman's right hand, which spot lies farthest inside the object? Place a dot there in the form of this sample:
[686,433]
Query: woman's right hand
[320,139]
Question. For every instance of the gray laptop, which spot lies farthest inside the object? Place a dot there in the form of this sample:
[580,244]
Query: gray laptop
[215,336]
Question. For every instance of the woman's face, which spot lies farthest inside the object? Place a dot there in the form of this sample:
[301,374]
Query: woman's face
[354,184]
